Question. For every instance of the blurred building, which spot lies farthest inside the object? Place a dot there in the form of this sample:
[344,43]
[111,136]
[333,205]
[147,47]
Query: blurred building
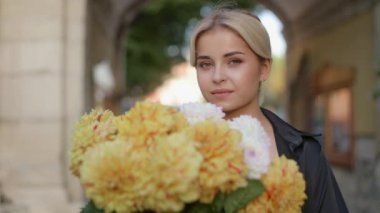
[332,59]
[42,61]
[49,49]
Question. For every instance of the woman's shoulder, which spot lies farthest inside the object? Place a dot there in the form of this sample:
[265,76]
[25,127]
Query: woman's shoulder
[303,147]
[322,189]
[285,126]
[292,136]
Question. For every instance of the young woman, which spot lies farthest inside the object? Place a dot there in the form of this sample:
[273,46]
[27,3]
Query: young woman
[231,52]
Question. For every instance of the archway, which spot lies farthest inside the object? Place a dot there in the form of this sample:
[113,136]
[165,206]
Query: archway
[106,41]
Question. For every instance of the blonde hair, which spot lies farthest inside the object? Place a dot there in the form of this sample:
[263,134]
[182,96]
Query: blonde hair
[246,25]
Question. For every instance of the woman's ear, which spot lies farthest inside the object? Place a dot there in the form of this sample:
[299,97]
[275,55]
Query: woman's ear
[265,68]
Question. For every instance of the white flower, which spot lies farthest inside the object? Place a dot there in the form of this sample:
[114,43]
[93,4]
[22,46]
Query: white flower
[198,112]
[255,143]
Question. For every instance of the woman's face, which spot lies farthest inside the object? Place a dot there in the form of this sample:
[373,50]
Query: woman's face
[228,72]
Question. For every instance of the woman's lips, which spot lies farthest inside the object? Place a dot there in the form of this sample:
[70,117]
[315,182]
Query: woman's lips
[221,92]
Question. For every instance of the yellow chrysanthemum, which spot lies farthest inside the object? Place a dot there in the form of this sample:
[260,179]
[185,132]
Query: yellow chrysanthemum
[92,128]
[147,121]
[285,189]
[116,177]
[176,164]
[223,168]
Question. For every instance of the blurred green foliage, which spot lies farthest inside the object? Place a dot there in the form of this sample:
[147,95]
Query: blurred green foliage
[377,91]
[162,24]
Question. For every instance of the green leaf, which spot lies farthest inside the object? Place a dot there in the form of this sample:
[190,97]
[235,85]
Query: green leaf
[91,208]
[229,203]
[241,197]
[218,202]
[198,207]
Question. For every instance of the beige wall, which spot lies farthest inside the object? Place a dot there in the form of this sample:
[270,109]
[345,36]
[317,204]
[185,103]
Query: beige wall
[351,44]
[41,95]
[347,45]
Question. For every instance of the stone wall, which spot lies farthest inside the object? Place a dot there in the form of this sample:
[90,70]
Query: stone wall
[41,95]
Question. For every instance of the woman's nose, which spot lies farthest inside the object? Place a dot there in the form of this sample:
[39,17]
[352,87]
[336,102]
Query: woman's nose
[218,74]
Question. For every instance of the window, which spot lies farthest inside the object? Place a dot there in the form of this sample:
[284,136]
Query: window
[333,113]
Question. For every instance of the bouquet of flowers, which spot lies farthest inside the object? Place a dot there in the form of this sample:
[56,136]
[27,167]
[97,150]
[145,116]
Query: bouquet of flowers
[158,158]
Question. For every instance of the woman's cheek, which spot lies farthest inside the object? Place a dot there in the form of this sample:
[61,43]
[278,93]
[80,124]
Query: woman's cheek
[202,84]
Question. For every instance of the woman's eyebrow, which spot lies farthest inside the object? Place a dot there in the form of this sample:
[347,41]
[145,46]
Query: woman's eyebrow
[203,57]
[225,55]
[233,53]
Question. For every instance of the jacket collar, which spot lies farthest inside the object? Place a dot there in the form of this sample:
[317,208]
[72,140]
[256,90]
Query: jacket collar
[291,135]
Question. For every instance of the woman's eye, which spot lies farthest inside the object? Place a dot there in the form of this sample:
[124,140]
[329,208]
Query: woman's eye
[235,61]
[204,65]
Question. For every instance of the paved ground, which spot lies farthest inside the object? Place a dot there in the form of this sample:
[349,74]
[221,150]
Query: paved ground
[40,200]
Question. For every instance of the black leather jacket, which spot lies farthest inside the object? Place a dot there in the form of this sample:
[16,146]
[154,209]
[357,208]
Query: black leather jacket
[322,190]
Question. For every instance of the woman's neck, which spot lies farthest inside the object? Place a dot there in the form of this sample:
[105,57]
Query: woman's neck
[253,111]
